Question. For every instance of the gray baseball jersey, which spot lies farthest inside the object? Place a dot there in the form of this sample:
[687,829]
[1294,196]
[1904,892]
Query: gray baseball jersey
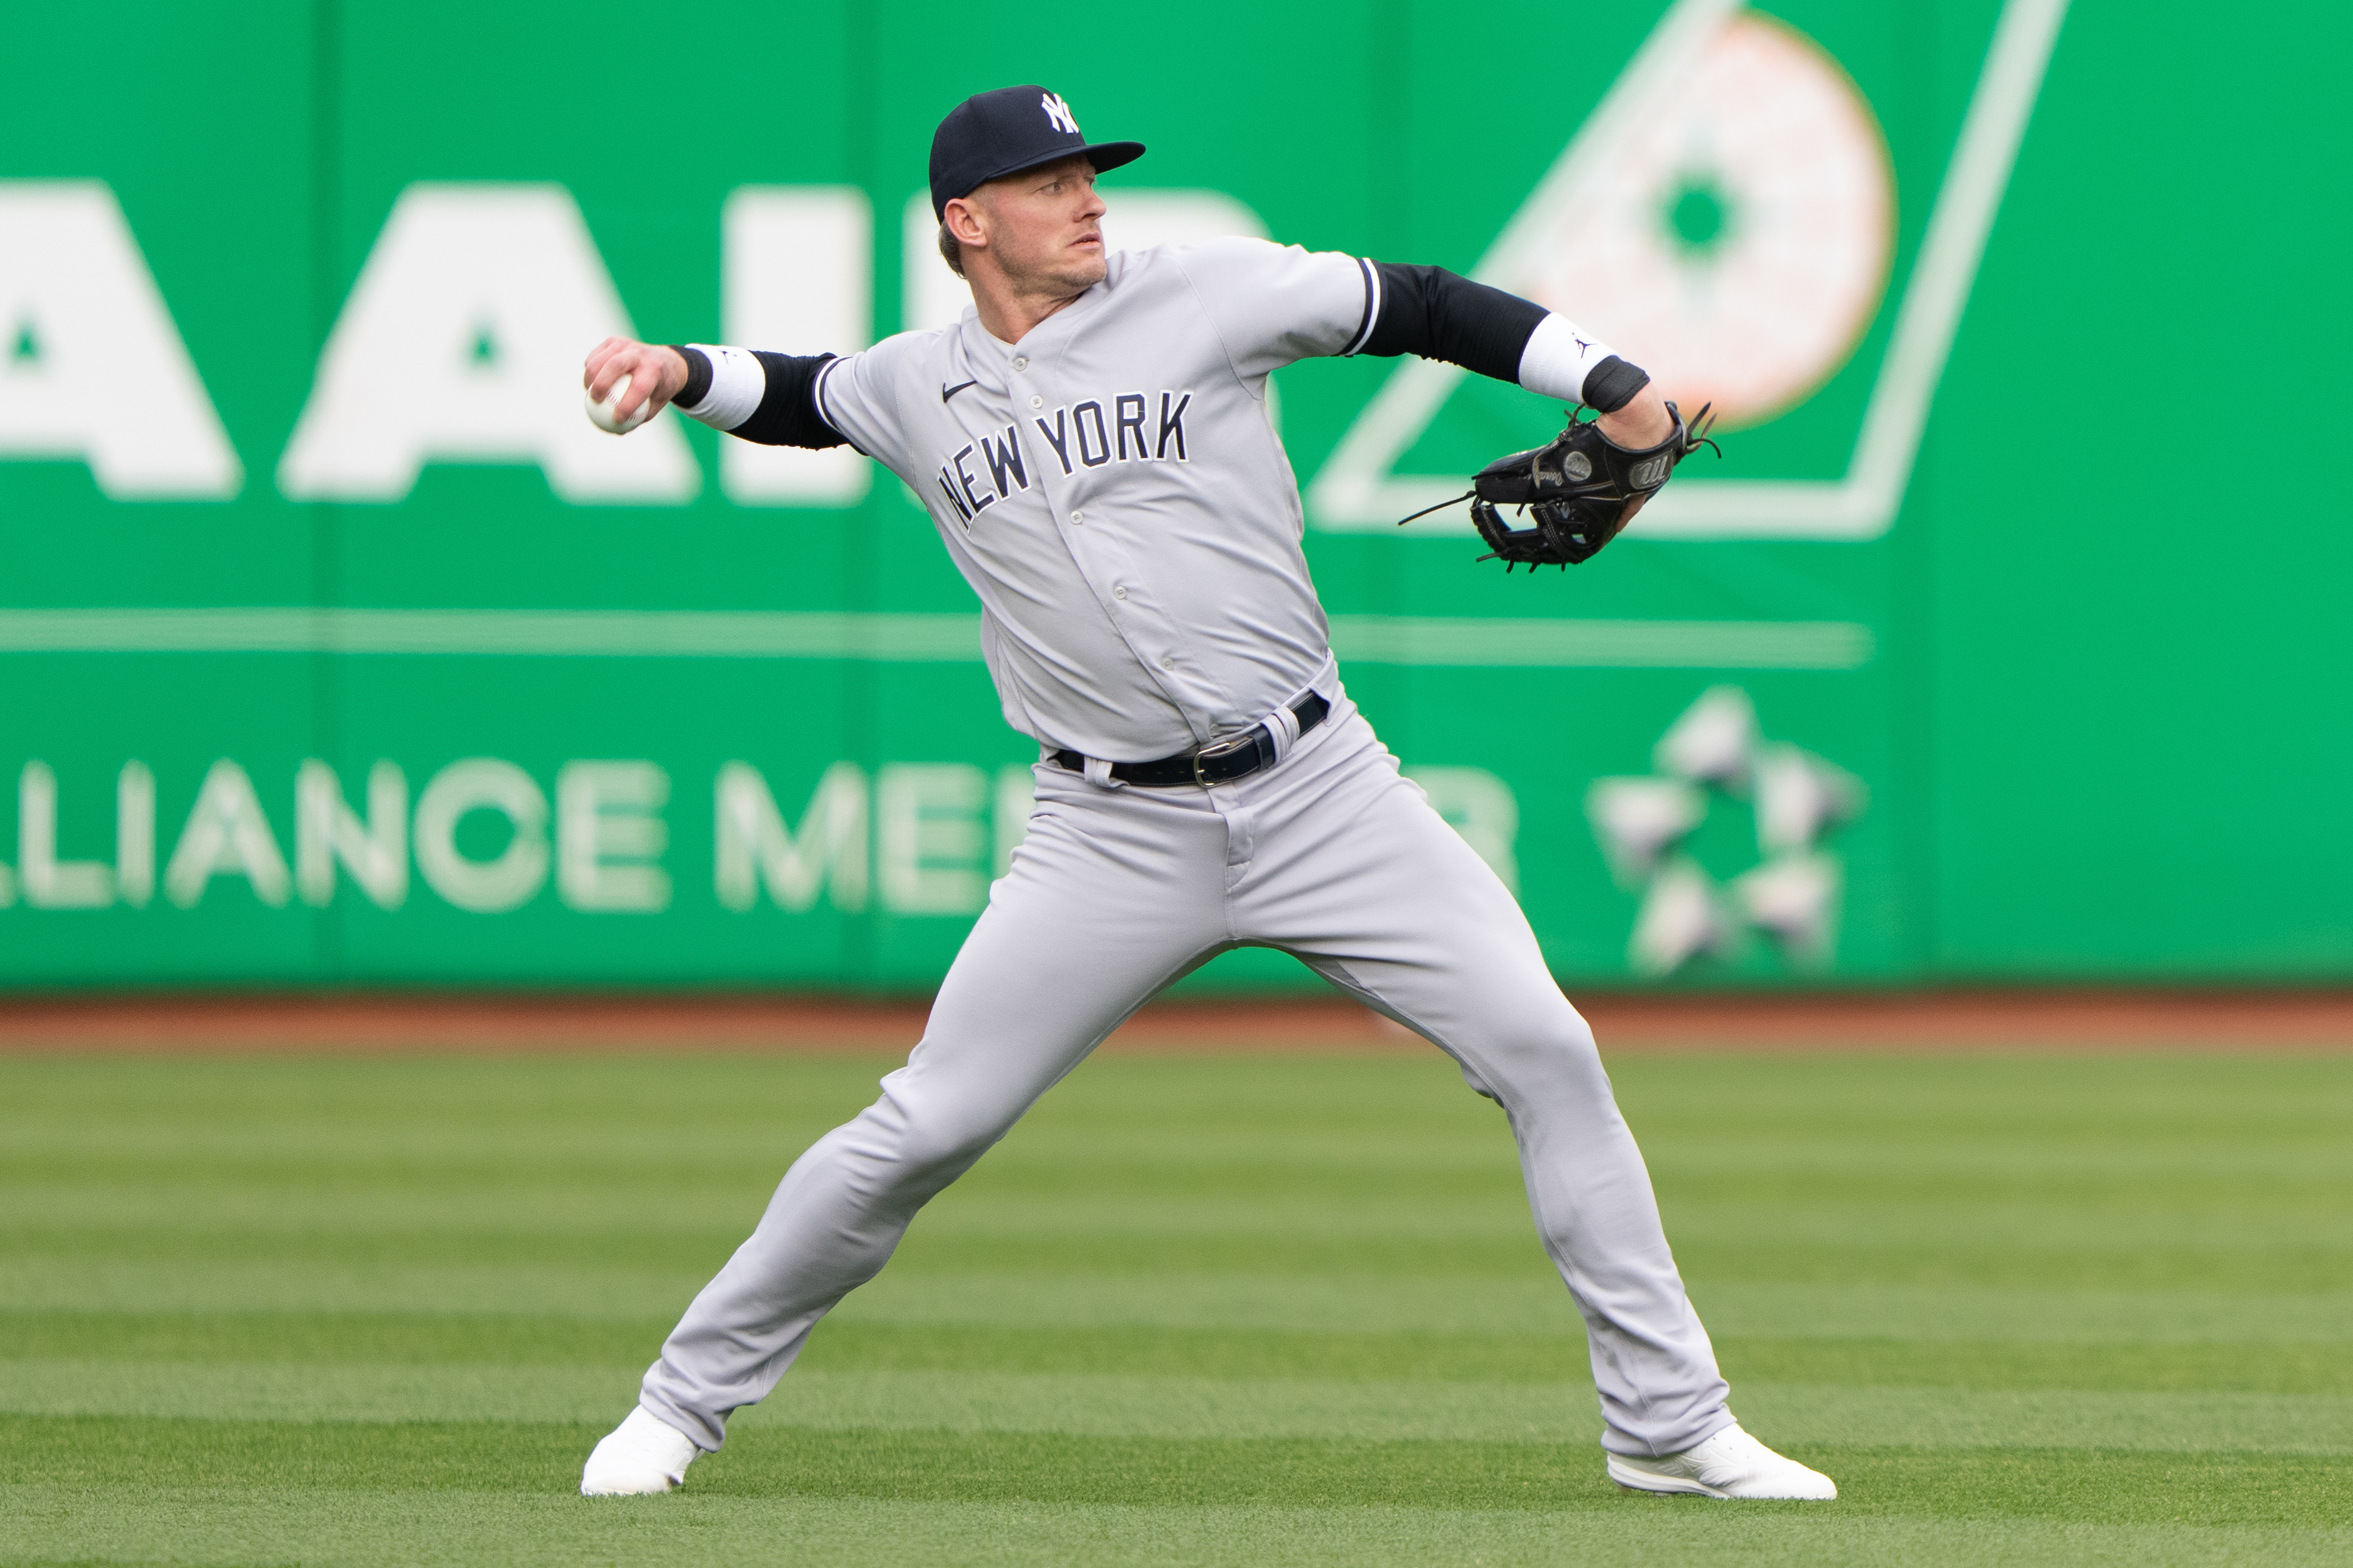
[1112,489]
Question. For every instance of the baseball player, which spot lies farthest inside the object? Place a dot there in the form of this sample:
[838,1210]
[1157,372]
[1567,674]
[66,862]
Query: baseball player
[1091,440]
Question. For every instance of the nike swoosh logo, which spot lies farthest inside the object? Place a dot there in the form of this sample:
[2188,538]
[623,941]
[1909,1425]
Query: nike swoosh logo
[948,392]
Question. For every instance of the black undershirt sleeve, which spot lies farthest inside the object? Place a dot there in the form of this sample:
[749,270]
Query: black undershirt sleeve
[787,414]
[1437,314]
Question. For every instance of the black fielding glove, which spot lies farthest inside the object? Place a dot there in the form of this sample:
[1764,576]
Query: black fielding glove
[1576,491]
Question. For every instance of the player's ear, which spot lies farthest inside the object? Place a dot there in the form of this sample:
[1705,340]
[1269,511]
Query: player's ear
[963,219]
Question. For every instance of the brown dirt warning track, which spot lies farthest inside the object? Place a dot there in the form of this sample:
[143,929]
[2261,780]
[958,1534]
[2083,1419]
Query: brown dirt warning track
[1932,1021]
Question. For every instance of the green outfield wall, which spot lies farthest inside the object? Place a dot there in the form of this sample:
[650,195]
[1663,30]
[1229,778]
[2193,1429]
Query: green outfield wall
[2007,642]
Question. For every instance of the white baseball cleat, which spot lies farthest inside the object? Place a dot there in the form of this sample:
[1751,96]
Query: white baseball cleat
[643,1454]
[1731,1463]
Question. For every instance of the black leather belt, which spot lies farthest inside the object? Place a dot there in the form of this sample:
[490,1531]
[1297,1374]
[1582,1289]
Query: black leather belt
[1218,762]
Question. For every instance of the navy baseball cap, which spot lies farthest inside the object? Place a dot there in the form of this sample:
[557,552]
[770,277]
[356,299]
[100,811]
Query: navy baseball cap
[992,134]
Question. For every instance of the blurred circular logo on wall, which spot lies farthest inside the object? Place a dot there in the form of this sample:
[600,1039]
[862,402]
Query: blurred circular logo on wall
[1737,243]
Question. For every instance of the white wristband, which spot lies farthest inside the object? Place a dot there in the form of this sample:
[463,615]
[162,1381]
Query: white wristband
[738,381]
[1557,358]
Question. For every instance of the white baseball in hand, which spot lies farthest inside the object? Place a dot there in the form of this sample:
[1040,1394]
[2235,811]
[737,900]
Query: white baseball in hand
[607,415]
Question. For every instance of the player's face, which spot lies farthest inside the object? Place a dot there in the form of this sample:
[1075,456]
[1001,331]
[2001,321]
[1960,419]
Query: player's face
[1045,226]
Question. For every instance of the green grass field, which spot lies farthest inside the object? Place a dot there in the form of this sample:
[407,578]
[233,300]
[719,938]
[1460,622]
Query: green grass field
[1224,1310]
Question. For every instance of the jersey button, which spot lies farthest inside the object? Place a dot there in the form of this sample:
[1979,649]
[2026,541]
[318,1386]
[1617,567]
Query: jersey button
[1036,402]
[1020,362]
[1167,664]
[1078,520]
[1119,593]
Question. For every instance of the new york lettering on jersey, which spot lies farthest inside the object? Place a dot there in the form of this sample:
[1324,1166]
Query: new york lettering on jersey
[1078,435]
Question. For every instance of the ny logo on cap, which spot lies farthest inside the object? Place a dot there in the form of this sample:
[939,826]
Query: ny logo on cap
[1060,113]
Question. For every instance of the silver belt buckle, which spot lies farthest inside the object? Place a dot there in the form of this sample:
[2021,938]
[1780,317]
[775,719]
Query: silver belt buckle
[1225,748]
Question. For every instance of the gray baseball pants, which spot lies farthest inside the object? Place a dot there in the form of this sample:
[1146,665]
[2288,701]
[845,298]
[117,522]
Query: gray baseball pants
[1329,854]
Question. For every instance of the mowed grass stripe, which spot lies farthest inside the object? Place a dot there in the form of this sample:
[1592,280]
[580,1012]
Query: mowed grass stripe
[92,1212]
[2086,1486]
[415,1460]
[1179,1407]
[1753,1231]
[2017,1163]
[114,1215]
[2004,1116]
[1274,1302]
[383,1339]
[2288,1268]
[1735,1278]
[340,1528]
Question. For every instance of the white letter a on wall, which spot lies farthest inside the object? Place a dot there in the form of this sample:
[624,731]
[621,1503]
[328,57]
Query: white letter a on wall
[463,342]
[90,365]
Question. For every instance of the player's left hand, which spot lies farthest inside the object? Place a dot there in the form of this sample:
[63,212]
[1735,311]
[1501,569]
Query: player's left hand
[656,375]
[1643,423]
[1581,488]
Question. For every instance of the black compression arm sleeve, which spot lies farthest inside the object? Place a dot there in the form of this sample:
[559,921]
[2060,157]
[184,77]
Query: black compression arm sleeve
[787,414]
[1432,312]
